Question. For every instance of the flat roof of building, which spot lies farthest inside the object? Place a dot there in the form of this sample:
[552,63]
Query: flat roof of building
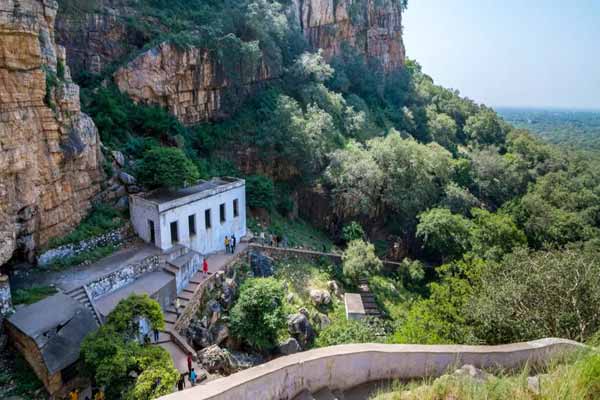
[58,325]
[161,196]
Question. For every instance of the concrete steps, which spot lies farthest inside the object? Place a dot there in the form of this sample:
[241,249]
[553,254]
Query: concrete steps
[80,295]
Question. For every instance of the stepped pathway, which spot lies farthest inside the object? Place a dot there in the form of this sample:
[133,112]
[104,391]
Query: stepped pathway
[368,299]
[176,258]
[81,295]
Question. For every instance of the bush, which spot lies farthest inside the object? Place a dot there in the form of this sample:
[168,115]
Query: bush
[115,359]
[166,167]
[101,219]
[346,331]
[353,231]
[260,192]
[258,314]
[32,294]
[359,260]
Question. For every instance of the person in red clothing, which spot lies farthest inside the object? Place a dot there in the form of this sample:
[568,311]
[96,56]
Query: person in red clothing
[189,363]
[205,267]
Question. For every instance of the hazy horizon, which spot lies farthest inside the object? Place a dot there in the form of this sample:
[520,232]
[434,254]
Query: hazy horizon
[540,54]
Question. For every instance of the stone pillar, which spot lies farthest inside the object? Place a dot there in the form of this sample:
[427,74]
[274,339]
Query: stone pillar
[5,298]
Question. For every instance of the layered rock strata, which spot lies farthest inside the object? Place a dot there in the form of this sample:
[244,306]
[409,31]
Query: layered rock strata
[50,158]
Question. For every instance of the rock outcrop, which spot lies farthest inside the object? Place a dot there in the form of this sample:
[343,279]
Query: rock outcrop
[191,83]
[373,27]
[50,158]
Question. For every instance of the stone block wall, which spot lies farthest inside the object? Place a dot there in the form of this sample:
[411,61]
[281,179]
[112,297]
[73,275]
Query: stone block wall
[5,296]
[123,276]
[114,237]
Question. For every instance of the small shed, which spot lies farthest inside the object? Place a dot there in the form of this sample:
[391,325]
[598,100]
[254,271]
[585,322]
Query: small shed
[196,217]
[49,334]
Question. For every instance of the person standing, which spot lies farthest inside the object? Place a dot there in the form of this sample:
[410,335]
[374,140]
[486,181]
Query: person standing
[233,243]
[193,377]
[181,383]
[156,335]
[205,266]
[177,305]
[74,395]
[226,244]
[189,363]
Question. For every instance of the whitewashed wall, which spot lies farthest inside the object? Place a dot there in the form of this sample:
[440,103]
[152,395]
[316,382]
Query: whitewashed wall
[206,241]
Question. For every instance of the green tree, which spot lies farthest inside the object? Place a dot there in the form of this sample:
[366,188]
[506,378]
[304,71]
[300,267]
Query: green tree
[444,235]
[459,200]
[114,358]
[442,129]
[534,294]
[258,314]
[485,128]
[353,231]
[493,234]
[166,167]
[260,192]
[360,261]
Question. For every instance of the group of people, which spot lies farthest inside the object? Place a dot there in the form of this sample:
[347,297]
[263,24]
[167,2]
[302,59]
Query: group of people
[273,240]
[192,375]
[230,243]
[74,395]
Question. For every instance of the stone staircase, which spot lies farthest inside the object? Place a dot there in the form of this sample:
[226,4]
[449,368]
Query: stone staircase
[368,300]
[81,295]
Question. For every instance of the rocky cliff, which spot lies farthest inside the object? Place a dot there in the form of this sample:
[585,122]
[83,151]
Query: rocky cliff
[373,27]
[50,158]
[192,83]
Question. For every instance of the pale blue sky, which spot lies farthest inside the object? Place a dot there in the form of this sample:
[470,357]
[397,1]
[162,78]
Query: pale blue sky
[541,53]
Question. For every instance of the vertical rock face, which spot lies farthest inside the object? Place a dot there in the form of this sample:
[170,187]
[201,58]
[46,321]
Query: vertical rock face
[50,159]
[190,83]
[96,34]
[373,27]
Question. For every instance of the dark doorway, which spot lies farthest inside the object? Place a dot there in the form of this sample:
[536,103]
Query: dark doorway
[151,229]
[174,234]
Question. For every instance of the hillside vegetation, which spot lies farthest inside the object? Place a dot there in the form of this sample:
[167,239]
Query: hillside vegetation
[509,224]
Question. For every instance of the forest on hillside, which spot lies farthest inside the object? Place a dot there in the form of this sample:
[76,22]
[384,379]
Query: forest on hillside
[572,128]
[499,214]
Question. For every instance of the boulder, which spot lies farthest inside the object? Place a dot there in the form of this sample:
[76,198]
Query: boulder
[119,158]
[320,297]
[322,321]
[300,328]
[290,298]
[261,265]
[216,360]
[213,311]
[334,288]
[122,203]
[126,178]
[290,346]
[471,371]
[198,334]
[218,333]
[240,361]
[533,384]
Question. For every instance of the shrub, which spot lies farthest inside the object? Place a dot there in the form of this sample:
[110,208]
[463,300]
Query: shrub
[258,314]
[346,331]
[260,192]
[32,295]
[359,260]
[353,231]
[166,167]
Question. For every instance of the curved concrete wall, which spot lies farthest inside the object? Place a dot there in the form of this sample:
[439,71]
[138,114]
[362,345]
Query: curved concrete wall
[346,366]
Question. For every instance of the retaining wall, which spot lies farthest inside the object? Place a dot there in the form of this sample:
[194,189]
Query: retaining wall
[123,276]
[113,237]
[308,255]
[346,366]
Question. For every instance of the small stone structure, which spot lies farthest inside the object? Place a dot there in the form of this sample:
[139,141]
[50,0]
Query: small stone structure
[5,296]
[49,335]
[347,366]
[197,217]
[113,237]
[354,306]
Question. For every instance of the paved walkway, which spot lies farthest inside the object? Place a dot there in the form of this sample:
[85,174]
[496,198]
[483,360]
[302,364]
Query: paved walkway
[72,278]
